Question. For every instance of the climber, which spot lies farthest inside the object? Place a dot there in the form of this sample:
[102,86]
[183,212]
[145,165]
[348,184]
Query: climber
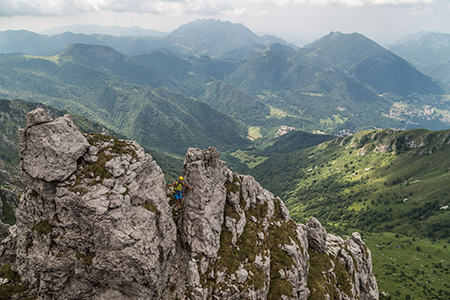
[177,191]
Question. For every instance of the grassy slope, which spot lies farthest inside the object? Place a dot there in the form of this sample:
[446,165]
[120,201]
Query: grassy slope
[377,191]
[418,267]
[401,191]
[367,193]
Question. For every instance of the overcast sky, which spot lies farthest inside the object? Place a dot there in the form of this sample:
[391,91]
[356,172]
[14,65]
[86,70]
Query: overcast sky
[297,21]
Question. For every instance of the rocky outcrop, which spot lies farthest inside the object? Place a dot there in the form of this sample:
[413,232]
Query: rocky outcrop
[50,151]
[416,142]
[95,223]
[240,239]
[8,195]
[317,235]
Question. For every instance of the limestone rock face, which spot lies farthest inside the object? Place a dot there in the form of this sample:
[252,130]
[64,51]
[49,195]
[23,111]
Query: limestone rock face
[317,235]
[37,116]
[239,238]
[50,150]
[203,217]
[238,242]
[95,222]
[85,229]
[357,262]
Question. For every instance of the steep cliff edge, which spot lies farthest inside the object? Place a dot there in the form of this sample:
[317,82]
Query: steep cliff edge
[95,223]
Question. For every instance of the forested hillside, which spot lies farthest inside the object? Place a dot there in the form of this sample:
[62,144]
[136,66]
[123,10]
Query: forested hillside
[89,85]
[429,53]
[338,83]
[367,61]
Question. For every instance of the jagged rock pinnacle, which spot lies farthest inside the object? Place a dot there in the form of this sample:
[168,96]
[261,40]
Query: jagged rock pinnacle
[49,149]
[95,223]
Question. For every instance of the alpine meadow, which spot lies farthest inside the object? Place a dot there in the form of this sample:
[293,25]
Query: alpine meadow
[342,130]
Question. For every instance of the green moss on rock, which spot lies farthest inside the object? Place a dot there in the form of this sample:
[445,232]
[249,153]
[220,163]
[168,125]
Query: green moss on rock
[258,278]
[96,172]
[279,287]
[319,262]
[34,194]
[6,272]
[78,189]
[43,227]
[28,247]
[343,278]
[119,147]
[228,253]
[56,219]
[258,211]
[232,187]
[231,212]
[87,259]
[248,240]
[319,285]
[279,260]
[14,286]
[151,207]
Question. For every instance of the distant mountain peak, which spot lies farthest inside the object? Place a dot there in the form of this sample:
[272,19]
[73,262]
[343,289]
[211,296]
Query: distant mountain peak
[344,41]
[84,51]
[411,37]
[214,37]
[367,61]
[109,30]
[211,26]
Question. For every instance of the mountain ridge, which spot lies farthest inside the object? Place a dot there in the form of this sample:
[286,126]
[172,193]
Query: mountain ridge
[98,89]
[272,86]
[116,235]
[31,43]
[369,62]
[429,54]
[109,30]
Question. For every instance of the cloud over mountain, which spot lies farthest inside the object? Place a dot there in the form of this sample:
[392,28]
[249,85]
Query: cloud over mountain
[173,7]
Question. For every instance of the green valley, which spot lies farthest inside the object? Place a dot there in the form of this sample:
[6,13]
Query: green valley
[391,186]
[374,180]
[89,86]
[410,268]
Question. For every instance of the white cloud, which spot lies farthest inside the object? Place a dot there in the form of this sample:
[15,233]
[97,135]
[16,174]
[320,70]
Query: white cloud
[62,7]
[240,11]
[341,2]
[261,13]
[352,3]
[176,7]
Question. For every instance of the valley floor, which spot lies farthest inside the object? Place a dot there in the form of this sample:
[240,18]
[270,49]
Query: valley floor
[410,268]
